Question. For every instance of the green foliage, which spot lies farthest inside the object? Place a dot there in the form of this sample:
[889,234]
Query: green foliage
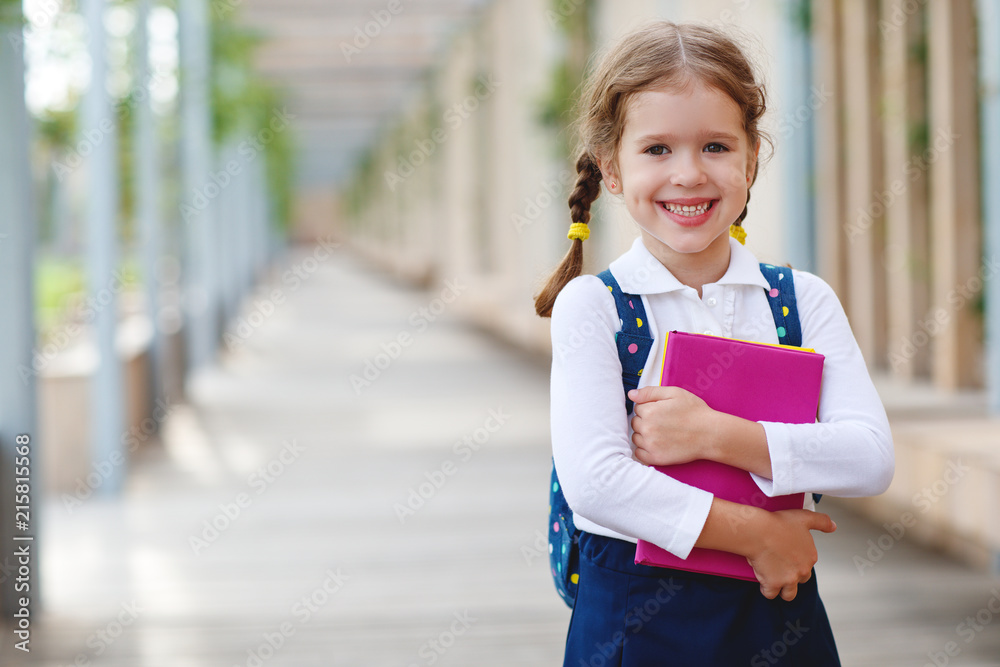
[61,288]
[11,12]
[56,129]
[56,281]
[555,109]
[244,104]
[799,13]
[235,90]
[363,183]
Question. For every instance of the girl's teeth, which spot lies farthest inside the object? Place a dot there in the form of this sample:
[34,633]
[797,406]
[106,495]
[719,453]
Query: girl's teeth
[689,211]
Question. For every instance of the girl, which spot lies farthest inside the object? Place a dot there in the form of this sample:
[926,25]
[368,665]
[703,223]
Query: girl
[670,124]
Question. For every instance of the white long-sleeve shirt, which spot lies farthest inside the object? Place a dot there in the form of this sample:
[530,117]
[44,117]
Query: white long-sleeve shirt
[848,452]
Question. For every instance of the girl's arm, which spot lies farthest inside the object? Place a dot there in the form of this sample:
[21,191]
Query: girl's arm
[672,425]
[847,453]
[778,545]
[607,488]
[609,491]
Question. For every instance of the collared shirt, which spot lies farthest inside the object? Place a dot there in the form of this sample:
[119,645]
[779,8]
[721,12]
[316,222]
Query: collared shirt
[848,452]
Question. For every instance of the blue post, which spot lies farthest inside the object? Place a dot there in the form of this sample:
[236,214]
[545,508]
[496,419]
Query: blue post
[229,227]
[147,196]
[794,139]
[989,68]
[18,229]
[99,134]
[244,236]
[198,190]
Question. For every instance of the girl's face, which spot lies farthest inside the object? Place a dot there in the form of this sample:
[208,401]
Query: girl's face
[685,168]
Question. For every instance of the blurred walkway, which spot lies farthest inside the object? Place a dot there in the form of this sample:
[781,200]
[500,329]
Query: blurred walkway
[297,518]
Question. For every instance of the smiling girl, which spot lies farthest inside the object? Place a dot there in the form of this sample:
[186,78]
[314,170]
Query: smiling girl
[670,125]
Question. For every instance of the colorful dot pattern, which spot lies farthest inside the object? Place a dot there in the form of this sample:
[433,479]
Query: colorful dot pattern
[560,544]
[632,348]
[777,302]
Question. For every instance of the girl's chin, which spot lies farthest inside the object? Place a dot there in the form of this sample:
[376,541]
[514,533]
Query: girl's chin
[691,242]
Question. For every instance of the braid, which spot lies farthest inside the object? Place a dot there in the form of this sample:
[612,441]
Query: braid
[588,188]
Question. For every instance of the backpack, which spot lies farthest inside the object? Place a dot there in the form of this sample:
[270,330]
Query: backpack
[564,549]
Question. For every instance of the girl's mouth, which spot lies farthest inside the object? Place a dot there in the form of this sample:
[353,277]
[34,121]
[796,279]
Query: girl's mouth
[688,215]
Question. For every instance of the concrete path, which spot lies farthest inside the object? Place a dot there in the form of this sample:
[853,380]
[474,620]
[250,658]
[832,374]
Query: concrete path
[361,481]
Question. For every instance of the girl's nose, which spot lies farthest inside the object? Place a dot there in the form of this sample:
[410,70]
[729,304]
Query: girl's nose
[687,171]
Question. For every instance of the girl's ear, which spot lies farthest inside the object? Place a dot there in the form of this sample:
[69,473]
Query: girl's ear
[610,177]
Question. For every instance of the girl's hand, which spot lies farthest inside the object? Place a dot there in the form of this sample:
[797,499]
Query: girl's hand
[785,551]
[671,426]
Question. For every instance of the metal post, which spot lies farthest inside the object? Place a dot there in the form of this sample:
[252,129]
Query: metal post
[201,294]
[147,195]
[989,71]
[229,230]
[18,229]
[98,136]
[261,217]
[244,234]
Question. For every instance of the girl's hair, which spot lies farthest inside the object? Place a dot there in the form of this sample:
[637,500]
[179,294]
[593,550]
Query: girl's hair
[657,56]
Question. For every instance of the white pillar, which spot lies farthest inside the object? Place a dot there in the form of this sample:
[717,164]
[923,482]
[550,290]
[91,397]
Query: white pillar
[261,217]
[147,195]
[98,131]
[244,238]
[201,293]
[989,68]
[229,224]
[17,334]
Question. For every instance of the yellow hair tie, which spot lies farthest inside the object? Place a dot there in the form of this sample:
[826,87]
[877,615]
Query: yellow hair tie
[578,230]
[738,233]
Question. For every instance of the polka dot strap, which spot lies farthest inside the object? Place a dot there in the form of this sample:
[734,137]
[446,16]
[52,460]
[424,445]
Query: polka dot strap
[781,299]
[633,339]
[564,547]
[634,343]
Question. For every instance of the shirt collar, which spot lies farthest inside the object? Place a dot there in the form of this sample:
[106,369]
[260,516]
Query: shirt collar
[639,272]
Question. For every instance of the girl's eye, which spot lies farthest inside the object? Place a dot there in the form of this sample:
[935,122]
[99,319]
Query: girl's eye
[716,148]
[657,150]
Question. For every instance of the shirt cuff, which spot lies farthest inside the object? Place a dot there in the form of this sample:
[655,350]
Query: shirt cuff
[680,540]
[779,449]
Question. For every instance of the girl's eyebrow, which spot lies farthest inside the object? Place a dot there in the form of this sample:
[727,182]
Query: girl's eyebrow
[668,138]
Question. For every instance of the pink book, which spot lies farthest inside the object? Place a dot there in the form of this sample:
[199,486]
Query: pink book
[756,381]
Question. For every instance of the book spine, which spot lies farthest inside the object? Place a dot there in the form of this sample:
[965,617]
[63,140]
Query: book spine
[667,358]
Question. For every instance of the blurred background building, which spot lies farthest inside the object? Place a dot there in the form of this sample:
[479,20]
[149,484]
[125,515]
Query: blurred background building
[159,158]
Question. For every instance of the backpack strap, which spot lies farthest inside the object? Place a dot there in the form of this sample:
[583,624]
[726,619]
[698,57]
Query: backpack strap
[781,298]
[634,343]
[633,339]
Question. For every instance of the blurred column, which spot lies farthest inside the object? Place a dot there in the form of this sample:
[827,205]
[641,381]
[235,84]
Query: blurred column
[262,217]
[99,135]
[17,331]
[830,194]
[906,252]
[989,69]
[863,219]
[229,231]
[147,195]
[795,133]
[201,294]
[955,234]
[244,242]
